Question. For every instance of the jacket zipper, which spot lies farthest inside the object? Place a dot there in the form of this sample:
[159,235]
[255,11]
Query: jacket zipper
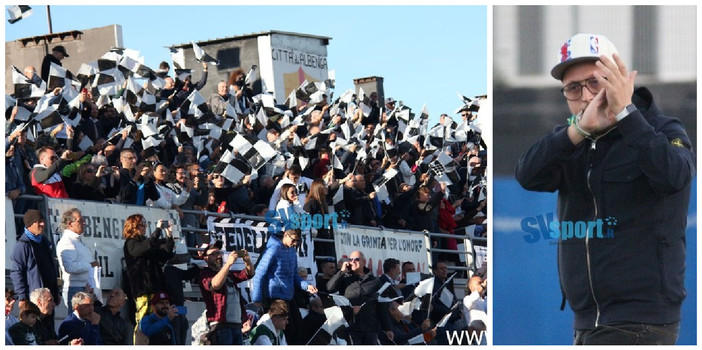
[591,153]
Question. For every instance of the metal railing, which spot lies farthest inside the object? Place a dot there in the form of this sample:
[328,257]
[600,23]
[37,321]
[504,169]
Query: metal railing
[470,266]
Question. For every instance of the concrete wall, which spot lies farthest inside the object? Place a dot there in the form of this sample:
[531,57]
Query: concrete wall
[371,84]
[231,54]
[267,50]
[82,45]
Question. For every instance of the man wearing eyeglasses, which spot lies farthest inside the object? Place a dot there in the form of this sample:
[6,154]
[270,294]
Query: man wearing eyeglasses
[277,278]
[45,176]
[624,163]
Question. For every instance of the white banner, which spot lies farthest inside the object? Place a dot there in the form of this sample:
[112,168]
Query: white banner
[378,245]
[480,256]
[286,61]
[253,235]
[103,230]
[10,232]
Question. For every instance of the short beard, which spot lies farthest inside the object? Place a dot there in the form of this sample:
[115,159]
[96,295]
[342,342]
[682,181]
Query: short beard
[162,312]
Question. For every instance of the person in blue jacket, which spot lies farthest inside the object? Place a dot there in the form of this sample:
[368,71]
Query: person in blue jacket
[83,323]
[158,325]
[32,262]
[623,171]
[276,277]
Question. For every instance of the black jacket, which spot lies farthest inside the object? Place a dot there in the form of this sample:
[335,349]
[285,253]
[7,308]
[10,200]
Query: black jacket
[359,290]
[145,260]
[636,180]
[46,66]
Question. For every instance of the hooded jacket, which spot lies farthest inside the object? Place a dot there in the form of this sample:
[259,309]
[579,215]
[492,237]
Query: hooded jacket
[265,333]
[634,184]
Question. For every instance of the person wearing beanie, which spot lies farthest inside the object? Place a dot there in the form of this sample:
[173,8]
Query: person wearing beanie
[32,264]
[623,170]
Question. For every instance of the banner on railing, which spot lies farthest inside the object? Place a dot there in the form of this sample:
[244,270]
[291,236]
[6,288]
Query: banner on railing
[378,245]
[252,235]
[103,230]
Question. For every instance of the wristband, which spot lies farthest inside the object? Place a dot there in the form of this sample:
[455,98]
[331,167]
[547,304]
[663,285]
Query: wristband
[573,120]
[625,112]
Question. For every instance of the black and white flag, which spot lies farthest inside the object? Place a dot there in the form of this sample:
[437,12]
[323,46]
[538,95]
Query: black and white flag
[445,168]
[203,56]
[25,87]
[18,12]
[178,58]
[233,168]
[59,77]
[252,75]
[381,190]
[255,151]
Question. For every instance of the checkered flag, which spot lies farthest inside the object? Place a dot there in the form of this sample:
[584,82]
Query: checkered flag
[86,73]
[195,106]
[380,187]
[59,77]
[18,12]
[255,151]
[203,56]
[233,168]
[25,87]
[444,169]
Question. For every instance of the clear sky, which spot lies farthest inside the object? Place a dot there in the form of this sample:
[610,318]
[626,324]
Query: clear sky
[424,53]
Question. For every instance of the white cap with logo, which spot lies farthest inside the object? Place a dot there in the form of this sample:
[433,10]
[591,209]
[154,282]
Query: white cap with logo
[579,48]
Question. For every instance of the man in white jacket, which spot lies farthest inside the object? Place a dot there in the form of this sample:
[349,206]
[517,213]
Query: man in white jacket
[75,259]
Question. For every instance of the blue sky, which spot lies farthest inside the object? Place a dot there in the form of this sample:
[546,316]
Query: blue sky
[425,53]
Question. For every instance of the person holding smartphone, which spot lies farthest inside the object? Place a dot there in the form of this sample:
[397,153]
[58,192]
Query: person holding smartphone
[158,325]
[145,257]
[226,311]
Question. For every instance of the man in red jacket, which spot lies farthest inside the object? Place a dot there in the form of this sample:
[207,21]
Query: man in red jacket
[45,176]
[218,284]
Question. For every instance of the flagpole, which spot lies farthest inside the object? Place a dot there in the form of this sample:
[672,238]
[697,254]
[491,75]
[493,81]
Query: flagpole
[51,31]
[444,284]
[314,335]
[48,18]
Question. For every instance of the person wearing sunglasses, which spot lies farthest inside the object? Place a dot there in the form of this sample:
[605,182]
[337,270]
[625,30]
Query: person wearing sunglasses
[355,281]
[621,163]
[46,177]
[276,278]
[88,183]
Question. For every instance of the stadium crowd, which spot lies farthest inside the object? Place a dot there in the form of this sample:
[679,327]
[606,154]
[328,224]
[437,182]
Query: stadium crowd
[138,136]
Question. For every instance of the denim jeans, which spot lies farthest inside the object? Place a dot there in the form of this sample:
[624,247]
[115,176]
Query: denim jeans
[228,334]
[628,334]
